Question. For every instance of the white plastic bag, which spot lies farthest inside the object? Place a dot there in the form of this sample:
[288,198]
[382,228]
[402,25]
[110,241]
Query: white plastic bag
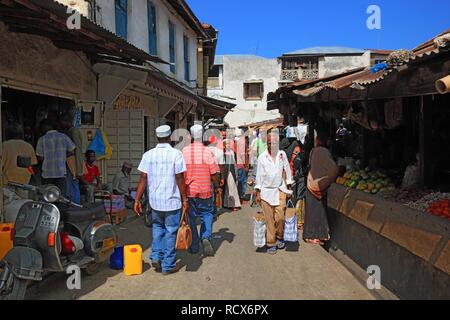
[291,229]
[259,233]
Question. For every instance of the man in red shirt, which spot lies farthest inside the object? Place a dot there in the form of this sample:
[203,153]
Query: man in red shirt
[90,180]
[202,169]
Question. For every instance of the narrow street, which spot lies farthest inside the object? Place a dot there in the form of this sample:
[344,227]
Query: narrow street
[237,271]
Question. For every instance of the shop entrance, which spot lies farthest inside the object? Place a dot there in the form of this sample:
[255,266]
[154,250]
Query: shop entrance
[28,109]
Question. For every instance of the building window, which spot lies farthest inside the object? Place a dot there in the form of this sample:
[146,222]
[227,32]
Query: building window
[152,37]
[172,46]
[254,91]
[122,18]
[187,64]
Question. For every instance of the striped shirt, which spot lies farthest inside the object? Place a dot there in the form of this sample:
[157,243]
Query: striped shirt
[201,165]
[54,147]
[161,165]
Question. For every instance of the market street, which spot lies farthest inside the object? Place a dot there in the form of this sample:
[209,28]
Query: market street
[237,271]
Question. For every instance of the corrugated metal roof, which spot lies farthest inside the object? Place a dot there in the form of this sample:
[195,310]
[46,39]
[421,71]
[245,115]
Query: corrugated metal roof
[364,76]
[325,51]
[47,18]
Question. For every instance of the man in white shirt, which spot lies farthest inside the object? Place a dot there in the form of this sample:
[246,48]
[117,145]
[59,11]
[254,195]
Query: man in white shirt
[162,170]
[272,191]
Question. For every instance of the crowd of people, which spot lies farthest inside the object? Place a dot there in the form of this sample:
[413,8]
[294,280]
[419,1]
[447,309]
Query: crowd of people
[58,159]
[214,171]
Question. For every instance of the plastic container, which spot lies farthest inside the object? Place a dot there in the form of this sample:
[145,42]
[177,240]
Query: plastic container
[116,259]
[6,238]
[132,265]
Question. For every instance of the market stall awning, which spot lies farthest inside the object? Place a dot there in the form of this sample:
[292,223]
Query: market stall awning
[48,18]
[216,108]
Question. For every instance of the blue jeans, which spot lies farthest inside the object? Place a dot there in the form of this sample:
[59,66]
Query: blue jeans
[242,181]
[203,208]
[165,229]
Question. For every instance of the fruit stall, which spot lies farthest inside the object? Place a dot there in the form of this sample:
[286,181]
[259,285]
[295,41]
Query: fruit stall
[391,206]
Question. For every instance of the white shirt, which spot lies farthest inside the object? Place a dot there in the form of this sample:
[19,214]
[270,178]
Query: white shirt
[161,165]
[269,177]
[218,154]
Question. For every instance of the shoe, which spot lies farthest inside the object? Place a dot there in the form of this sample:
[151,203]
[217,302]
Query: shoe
[156,265]
[281,245]
[207,248]
[174,270]
[272,250]
[193,251]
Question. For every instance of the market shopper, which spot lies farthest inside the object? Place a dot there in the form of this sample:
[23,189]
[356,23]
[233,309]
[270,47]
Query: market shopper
[216,147]
[162,172]
[323,172]
[231,198]
[201,171]
[56,152]
[272,191]
[242,164]
[73,186]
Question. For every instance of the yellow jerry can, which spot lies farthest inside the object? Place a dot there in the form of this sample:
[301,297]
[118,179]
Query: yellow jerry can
[132,264]
[6,238]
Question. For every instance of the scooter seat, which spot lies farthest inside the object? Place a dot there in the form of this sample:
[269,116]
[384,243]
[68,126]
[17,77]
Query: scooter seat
[86,214]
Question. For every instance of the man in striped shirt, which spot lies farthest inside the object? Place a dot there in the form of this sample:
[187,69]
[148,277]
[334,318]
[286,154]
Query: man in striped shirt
[202,169]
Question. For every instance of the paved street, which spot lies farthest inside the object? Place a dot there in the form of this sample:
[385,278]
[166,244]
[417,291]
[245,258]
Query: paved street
[236,272]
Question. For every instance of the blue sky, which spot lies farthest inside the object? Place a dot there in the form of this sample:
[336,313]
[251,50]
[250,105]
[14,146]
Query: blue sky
[271,27]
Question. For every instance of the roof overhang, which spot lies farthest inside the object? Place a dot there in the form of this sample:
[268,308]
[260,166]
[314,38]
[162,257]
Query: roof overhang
[48,18]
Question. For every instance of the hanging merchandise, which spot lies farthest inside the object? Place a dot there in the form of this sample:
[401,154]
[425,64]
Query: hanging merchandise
[77,118]
[101,146]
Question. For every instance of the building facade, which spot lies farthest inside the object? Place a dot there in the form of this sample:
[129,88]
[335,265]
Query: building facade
[244,80]
[113,72]
[321,62]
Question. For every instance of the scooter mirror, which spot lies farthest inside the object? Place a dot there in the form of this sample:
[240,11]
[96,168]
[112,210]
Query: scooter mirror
[23,162]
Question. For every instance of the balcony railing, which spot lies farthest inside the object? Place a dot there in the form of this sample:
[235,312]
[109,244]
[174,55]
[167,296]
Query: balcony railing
[289,75]
[312,74]
[296,74]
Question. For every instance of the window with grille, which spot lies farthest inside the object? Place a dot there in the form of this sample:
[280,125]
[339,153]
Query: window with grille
[152,36]
[187,64]
[254,91]
[121,8]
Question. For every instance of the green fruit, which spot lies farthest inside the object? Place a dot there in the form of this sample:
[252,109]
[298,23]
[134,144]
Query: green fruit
[353,184]
[374,191]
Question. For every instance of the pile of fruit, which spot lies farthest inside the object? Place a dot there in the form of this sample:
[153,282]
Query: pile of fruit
[432,201]
[409,197]
[440,208]
[366,181]
[435,203]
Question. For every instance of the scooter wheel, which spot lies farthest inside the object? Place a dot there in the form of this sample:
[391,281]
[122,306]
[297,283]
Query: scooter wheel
[19,288]
[93,268]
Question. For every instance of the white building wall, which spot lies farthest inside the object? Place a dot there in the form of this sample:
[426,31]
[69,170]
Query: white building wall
[235,73]
[333,65]
[138,33]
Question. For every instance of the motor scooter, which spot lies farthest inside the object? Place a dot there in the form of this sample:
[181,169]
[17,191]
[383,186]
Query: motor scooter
[50,235]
